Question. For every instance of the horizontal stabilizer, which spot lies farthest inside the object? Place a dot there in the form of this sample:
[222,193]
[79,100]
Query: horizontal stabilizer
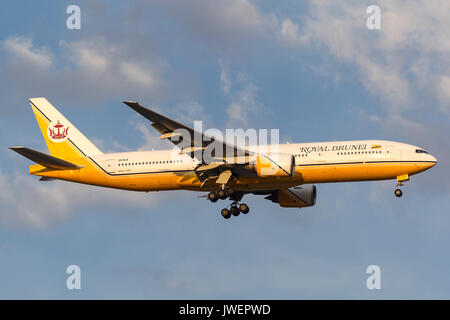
[45,159]
[46,179]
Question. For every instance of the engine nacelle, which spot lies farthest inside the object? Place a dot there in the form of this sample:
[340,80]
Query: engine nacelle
[298,197]
[275,165]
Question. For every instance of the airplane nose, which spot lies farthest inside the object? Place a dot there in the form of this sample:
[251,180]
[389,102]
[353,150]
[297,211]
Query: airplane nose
[432,158]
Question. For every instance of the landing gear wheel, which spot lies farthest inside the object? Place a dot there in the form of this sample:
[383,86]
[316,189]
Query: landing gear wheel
[225,213]
[212,196]
[398,193]
[234,210]
[229,192]
[222,194]
[244,208]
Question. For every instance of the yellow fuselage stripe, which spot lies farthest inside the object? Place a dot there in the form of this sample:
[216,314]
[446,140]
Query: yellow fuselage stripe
[93,174]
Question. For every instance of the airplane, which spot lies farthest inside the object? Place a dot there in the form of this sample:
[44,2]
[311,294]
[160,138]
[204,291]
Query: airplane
[287,177]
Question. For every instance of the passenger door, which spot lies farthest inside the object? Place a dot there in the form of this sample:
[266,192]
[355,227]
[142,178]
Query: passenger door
[110,165]
[389,152]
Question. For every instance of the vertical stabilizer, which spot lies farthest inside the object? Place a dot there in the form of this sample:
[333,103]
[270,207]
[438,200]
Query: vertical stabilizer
[63,139]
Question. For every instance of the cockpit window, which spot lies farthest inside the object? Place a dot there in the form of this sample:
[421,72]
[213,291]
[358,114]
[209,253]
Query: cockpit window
[420,151]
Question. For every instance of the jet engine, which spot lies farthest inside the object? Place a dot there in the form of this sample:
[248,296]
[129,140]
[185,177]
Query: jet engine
[298,197]
[275,165]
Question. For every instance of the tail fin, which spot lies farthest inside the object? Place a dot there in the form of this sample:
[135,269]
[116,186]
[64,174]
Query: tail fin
[63,139]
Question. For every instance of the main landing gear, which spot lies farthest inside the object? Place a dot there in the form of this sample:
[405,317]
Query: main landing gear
[220,194]
[236,208]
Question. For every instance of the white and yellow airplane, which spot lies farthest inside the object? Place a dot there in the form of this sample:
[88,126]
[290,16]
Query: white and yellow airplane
[285,178]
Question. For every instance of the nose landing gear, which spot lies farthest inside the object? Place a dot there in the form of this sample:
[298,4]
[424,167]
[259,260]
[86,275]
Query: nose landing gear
[400,182]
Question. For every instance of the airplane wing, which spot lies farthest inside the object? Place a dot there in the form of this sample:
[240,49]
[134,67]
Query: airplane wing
[171,129]
[193,143]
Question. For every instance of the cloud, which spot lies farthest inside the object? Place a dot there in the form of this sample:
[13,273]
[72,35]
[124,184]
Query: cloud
[88,56]
[243,95]
[222,22]
[93,67]
[22,51]
[243,104]
[25,203]
[134,73]
[190,111]
[224,78]
[443,90]
[111,63]
[290,33]
[151,138]
[405,63]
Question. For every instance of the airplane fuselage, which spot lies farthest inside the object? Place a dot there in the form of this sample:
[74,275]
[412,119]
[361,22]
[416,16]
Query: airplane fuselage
[285,174]
[317,162]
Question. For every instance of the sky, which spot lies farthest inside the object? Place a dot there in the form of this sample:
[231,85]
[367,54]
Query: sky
[309,68]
